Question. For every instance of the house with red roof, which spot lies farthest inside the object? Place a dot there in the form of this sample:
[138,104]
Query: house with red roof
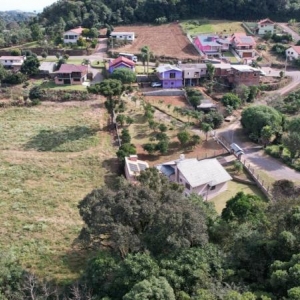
[243,44]
[293,52]
[121,62]
[71,74]
[264,26]
[72,35]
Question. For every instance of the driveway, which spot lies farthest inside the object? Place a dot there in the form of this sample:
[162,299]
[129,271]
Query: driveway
[287,29]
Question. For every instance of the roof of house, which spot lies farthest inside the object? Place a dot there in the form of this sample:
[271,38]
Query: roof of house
[296,48]
[121,59]
[134,167]
[47,66]
[122,32]
[243,39]
[12,57]
[206,103]
[70,68]
[77,30]
[244,68]
[209,40]
[222,66]
[207,171]
[165,68]
[267,20]
[192,66]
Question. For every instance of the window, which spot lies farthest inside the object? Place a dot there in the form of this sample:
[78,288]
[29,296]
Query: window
[172,75]
[172,83]
[187,186]
[120,36]
[129,36]
[255,74]
[196,74]
[212,187]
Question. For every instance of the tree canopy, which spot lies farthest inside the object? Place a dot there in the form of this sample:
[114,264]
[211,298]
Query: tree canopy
[136,218]
[125,75]
[255,118]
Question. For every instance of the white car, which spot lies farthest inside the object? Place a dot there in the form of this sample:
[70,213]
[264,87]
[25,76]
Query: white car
[156,84]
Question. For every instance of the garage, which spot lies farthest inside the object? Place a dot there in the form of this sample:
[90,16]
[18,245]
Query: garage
[247,54]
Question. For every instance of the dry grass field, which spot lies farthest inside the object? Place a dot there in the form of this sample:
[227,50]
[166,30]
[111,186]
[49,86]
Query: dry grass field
[51,156]
[166,40]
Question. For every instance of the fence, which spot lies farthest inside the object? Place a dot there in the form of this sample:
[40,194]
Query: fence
[250,169]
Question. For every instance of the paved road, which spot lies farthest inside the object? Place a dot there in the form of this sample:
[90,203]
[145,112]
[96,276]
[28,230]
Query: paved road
[286,28]
[255,155]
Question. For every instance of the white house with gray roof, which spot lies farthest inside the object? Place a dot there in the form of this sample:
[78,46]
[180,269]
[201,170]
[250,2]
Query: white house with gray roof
[206,177]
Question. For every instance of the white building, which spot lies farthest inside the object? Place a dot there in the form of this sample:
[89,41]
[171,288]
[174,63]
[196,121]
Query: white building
[206,177]
[292,52]
[133,167]
[129,36]
[72,35]
[265,26]
[12,62]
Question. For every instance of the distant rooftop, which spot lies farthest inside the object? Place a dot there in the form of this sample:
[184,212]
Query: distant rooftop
[165,68]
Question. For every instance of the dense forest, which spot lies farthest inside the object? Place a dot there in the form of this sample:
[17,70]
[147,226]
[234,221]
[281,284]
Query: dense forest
[94,13]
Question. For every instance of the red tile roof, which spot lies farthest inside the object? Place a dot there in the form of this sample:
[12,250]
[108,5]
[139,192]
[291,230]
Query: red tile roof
[122,59]
[297,49]
[70,68]
[265,21]
[77,30]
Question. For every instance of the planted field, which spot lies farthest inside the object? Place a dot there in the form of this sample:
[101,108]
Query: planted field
[165,40]
[51,156]
[201,26]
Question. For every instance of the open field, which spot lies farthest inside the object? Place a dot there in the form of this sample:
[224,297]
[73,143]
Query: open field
[51,156]
[195,27]
[166,40]
[52,85]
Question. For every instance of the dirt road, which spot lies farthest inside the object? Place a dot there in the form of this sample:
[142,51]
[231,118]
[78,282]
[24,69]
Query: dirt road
[287,29]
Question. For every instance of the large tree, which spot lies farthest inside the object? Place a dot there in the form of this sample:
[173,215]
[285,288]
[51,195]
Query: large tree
[30,66]
[125,75]
[255,118]
[136,218]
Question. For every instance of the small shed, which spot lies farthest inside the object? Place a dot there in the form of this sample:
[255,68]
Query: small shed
[206,105]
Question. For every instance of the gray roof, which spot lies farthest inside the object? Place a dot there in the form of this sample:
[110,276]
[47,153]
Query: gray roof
[165,68]
[166,170]
[207,171]
[192,66]
[47,66]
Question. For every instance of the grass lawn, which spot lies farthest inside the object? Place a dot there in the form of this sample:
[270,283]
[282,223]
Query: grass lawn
[51,156]
[230,56]
[233,189]
[140,70]
[201,26]
[70,60]
[52,85]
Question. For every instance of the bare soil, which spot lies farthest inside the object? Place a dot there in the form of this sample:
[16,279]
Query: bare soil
[166,40]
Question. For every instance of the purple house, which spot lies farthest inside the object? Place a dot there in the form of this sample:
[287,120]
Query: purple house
[121,62]
[170,76]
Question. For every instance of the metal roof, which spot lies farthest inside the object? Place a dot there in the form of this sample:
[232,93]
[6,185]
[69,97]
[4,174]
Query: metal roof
[207,171]
[165,68]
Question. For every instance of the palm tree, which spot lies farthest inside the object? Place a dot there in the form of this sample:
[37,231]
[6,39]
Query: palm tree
[206,128]
[145,55]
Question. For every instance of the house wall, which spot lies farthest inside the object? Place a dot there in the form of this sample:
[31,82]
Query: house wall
[168,82]
[60,81]
[291,54]
[11,62]
[71,37]
[206,192]
[264,28]
[128,37]
[246,78]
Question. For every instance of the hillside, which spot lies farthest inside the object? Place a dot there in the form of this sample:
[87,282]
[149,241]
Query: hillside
[15,16]
[96,13]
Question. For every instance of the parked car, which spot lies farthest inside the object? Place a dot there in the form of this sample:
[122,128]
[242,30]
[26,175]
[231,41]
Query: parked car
[156,84]
[236,150]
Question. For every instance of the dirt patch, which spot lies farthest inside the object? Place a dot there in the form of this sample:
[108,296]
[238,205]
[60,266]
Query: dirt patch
[168,100]
[177,45]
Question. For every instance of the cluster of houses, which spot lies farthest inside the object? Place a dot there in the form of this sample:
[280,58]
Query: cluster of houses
[239,43]
[206,177]
[181,75]
[72,36]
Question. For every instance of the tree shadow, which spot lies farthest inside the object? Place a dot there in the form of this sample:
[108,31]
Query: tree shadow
[50,139]
[114,169]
